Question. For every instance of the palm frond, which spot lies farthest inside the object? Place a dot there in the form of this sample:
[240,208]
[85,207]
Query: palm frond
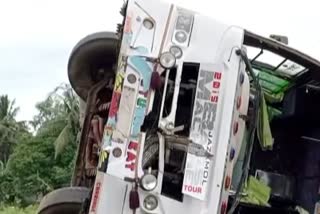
[7,107]
[62,140]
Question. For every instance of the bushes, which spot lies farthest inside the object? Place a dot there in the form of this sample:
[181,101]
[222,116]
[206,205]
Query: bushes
[35,167]
[32,171]
[16,210]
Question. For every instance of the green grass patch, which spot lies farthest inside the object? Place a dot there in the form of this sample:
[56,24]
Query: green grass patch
[32,209]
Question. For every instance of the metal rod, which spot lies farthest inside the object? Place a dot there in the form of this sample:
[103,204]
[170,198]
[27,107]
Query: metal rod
[310,138]
[256,57]
[281,63]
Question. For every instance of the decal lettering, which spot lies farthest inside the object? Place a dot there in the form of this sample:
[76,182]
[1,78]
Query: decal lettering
[214,98]
[217,75]
[145,94]
[207,163]
[141,66]
[194,189]
[216,84]
[209,116]
[196,125]
[96,197]
[197,172]
[131,166]
[141,102]
[131,155]
[114,106]
[137,121]
[206,77]
[199,108]
[133,145]
[206,102]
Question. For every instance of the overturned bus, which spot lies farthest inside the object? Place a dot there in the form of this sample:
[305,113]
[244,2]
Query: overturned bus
[184,114]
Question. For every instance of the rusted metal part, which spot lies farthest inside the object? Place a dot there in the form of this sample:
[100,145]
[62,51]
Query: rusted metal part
[94,143]
[84,170]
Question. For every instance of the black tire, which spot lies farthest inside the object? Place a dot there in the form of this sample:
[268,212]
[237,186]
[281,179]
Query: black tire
[151,148]
[67,200]
[94,52]
[151,151]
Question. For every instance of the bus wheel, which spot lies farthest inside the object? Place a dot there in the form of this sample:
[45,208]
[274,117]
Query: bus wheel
[67,200]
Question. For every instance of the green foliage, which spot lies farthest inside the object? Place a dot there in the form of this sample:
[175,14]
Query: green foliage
[10,129]
[7,108]
[59,113]
[42,162]
[16,210]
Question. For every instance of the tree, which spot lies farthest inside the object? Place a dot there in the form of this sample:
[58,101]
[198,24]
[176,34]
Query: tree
[10,129]
[60,107]
[7,108]
[71,113]
[34,168]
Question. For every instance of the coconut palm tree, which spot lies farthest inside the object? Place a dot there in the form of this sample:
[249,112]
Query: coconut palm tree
[59,113]
[9,127]
[70,106]
[7,108]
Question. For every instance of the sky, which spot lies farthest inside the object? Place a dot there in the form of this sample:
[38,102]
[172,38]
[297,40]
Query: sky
[37,36]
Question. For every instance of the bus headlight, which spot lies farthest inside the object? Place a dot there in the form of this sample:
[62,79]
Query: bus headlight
[148,182]
[176,51]
[150,202]
[181,36]
[167,60]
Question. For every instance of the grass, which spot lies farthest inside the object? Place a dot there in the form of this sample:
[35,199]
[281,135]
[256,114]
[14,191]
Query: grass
[16,210]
